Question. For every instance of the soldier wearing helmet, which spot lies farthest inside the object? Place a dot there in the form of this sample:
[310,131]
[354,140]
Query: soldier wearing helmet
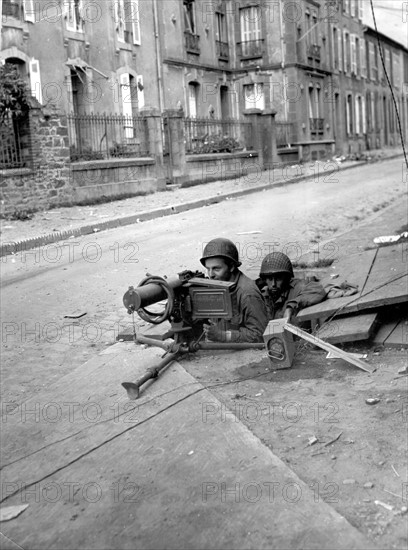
[249,315]
[284,294]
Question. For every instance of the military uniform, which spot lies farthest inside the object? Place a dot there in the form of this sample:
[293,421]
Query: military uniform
[249,315]
[296,294]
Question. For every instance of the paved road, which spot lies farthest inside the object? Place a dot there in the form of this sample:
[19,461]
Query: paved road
[91,274]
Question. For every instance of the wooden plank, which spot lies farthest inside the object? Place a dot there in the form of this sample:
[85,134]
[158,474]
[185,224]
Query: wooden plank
[398,338]
[348,329]
[328,347]
[384,331]
[388,279]
[389,263]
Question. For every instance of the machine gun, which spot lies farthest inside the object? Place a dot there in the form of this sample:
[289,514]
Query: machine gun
[191,300]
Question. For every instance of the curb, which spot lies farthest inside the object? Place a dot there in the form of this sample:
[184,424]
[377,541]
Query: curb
[50,238]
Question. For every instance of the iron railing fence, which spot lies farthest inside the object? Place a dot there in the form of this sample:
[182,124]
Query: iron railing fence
[10,143]
[105,136]
[285,134]
[251,48]
[204,135]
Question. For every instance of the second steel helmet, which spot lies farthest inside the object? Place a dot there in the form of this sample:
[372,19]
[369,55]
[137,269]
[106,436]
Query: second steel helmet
[223,248]
[276,262]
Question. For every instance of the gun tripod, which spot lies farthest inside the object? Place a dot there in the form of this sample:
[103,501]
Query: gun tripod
[182,345]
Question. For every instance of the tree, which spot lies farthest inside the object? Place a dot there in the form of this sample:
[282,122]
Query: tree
[14,92]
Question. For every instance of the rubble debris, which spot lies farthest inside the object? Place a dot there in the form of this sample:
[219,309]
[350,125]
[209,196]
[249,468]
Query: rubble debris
[312,440]
[384,505]
[372,401]
[349,481]
[395,471]
[332,440]
[403,370]
[368,485]
[390,238]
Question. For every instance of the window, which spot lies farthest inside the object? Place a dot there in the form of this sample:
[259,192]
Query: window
[73,14]
[23,10]
[189,17]
[347,52]
[349,114]
[335,60]
[359,115]
[396,70]
[127,106]
[221,32]
[193,99]
[373,117]
[254,96]
[120,19]
[388,64]
[347,7]
[340,42]
[250,20]
[373,61]
[221,23]
[35,79]
[132,20]
[360,9]
[363,115]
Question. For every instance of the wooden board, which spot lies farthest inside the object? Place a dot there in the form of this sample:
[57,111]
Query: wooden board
[370,271]
[388,280]
[348,329]
[328,347]
[384,331]
[398,338]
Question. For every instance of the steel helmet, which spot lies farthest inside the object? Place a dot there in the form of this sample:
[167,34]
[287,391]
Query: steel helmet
[223,248]
[276,262]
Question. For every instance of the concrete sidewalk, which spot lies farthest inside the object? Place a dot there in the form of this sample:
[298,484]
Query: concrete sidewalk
[174,469]
[62,223]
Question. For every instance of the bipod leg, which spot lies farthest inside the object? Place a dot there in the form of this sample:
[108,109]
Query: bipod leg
[140,339]
[133,388]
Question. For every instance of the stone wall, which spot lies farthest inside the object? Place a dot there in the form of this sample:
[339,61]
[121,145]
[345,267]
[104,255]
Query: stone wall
[45,180]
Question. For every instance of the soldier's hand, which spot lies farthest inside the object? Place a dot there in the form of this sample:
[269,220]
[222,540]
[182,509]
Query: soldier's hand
[214,334]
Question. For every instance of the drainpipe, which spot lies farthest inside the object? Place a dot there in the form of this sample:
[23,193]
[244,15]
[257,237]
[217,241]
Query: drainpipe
[282,41]
[158,56]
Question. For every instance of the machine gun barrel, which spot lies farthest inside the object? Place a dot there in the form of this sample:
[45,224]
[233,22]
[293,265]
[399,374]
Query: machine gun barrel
[151,293]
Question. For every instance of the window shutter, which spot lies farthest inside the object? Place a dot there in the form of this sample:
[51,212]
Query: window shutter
[353,54]
[364,114]
[136,22]
[363,61]
[35,79]
[340,42]
[29,12]
[360,9]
